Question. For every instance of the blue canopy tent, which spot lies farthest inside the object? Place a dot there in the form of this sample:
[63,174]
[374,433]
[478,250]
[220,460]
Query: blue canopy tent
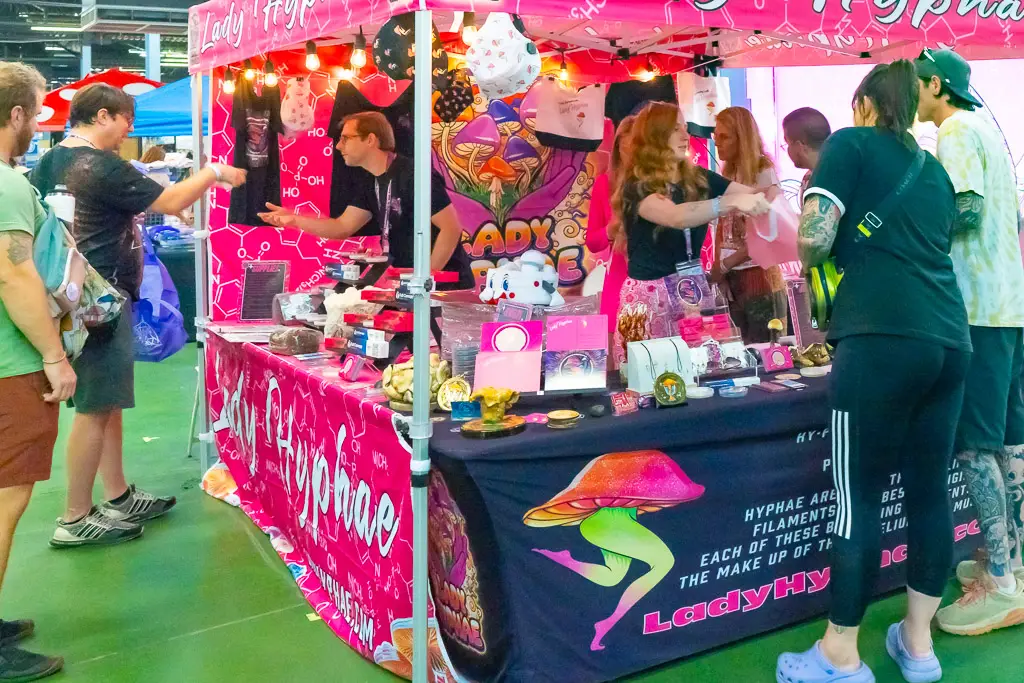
[167,111]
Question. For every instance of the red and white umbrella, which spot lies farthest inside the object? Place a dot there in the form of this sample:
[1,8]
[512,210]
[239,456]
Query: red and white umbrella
[57,104]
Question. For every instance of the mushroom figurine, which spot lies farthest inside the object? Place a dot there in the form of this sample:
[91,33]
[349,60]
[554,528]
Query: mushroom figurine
[494,403]
[497,171]
[604,501]
[521,155]
[480,136]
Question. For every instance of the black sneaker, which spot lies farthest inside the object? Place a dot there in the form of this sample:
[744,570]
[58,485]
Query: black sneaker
[94,529]
[138,507]
[19,666]
[12,632]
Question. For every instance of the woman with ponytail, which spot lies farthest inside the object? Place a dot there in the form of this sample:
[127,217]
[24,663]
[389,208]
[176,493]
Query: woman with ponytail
[604,225]
[898,309]
[664,204]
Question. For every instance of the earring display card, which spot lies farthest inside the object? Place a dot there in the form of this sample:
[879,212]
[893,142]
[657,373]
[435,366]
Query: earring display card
[575,370]
[577,333]
[511,337]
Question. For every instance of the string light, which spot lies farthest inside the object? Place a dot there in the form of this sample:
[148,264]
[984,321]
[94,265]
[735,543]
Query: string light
[250,73]
[468,27]
[229,81]
[648,74]
[563,69]
[343,74]
[358,59]
[312,58]
[270,79]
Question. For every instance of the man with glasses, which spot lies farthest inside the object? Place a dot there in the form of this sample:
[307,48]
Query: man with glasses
[110,194]
[987,259]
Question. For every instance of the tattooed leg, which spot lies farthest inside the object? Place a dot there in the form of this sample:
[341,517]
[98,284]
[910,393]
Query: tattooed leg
[985,483]
[1012,463]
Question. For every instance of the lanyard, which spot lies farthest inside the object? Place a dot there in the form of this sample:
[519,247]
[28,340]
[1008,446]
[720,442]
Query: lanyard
[385,214]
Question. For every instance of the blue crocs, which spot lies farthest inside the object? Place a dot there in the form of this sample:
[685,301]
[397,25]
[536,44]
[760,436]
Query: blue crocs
[813,667]
[915,669]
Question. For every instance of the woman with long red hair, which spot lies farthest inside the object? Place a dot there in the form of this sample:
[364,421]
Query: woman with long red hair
[664,204]
[756,295]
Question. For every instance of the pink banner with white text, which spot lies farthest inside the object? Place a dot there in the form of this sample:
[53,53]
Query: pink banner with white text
[326,475]
[226,31]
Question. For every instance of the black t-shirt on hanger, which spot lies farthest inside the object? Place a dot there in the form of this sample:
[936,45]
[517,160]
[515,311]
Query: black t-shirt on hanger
[346,181]
[256,119]
[625,99]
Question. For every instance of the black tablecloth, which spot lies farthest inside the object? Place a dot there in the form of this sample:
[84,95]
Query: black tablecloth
[715,514]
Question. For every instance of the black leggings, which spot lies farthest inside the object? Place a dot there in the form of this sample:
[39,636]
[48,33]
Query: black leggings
[895,405]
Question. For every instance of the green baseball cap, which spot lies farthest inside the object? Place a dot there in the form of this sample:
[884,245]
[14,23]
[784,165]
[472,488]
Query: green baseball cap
[952,69]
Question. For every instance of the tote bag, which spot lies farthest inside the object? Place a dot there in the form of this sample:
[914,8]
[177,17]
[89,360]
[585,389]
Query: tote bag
[157,324]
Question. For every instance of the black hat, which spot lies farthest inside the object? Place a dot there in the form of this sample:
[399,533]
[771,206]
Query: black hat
[394,50]
[952,69]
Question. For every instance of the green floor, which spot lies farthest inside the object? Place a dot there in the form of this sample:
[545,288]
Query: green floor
[203,597]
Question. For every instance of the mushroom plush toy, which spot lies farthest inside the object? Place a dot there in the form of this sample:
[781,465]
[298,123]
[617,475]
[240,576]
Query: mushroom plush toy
[604,501]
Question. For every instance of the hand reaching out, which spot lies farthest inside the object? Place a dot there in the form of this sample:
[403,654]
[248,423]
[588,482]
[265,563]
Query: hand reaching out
[278,217]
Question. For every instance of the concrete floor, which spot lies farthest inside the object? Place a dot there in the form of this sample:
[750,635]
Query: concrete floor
[203,598]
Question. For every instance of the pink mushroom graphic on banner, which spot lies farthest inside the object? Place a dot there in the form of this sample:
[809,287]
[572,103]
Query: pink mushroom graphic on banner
[604,501]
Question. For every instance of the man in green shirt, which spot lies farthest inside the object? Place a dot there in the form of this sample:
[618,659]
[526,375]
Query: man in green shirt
[35,376]
[987,260]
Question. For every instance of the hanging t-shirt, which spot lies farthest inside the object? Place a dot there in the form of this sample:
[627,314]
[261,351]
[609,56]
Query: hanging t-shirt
[347,181]
[654,251]
[900,281]
[256,119]
[110,198]
[390,200]
[625,99]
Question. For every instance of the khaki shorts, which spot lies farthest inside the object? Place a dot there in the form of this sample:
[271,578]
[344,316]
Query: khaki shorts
[28,430]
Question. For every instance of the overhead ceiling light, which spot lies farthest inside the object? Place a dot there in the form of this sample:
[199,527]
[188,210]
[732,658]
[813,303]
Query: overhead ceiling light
[53,48]
[468,27]
[312,59]
[57,29]
[358,58]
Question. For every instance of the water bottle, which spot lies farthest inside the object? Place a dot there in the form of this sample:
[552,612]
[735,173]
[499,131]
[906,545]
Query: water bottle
[62,203]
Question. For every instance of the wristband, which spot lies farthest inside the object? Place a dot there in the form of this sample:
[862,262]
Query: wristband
[716,206]
[55,362]
[216,172]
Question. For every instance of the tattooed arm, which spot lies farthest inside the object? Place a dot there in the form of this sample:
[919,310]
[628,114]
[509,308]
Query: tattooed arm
[24,295]
[969,207]
[818,227]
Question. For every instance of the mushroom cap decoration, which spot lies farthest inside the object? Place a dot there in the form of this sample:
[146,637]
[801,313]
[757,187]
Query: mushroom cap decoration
[647,481]
[505,116]
[520,150]
[497,168]
[481,133]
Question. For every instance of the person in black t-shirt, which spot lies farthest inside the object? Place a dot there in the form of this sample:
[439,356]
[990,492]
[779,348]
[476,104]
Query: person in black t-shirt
[367,141]
[902,353]
[109,196]
[664,206]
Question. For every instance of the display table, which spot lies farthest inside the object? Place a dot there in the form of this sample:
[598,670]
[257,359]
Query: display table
[590,554]
[325,473]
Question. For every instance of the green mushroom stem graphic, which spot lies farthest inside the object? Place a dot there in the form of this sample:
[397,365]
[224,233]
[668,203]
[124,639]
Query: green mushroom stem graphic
[604,500]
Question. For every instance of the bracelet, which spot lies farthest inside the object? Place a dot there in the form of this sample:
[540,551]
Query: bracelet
[55,362]
[216,172]
[716,206]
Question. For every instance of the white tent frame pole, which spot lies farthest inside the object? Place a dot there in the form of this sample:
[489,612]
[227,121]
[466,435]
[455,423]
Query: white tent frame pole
[421,428]
[202,247]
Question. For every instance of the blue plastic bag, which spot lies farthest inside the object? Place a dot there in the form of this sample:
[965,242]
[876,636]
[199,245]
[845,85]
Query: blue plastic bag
[157,323]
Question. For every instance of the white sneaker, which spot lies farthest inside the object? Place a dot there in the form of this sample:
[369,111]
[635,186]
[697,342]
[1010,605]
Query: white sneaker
[93,529]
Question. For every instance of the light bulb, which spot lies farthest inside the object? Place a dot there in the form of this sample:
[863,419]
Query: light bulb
[648,74]
[270,76]
[468,28]
[312,59]
[343,74]
[358,58]
[563,71]
[250,73]
[229,86]
[270,80]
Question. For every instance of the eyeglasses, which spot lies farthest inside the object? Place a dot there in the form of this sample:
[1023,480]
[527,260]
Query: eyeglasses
[348,138]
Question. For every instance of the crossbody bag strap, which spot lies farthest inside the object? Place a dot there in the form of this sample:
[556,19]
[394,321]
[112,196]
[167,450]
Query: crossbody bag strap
[873,220]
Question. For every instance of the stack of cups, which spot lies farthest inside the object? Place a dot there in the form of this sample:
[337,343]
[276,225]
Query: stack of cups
[464,361]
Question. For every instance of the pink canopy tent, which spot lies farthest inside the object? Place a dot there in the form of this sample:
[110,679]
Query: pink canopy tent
[57,104]
[608,40]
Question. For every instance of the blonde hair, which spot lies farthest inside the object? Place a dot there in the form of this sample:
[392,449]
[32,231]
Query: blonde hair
[653,165]
[751,158]
[20,86]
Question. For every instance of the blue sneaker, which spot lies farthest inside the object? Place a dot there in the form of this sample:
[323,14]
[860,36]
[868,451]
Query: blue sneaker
[813,667]
[915,669]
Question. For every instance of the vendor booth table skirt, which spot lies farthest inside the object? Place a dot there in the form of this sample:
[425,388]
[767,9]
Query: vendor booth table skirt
[590,554]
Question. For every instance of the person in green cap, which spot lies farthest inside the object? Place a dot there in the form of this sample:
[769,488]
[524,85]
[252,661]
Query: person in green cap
[987,259]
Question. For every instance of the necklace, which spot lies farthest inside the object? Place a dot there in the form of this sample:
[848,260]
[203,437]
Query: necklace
[83,139]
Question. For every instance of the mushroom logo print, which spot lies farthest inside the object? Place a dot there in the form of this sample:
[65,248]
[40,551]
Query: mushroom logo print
[604,501]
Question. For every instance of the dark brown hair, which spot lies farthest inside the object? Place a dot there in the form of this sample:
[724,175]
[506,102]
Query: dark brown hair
[808,126]
[20,86]
[95,97]
[894,92]
[368,122]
